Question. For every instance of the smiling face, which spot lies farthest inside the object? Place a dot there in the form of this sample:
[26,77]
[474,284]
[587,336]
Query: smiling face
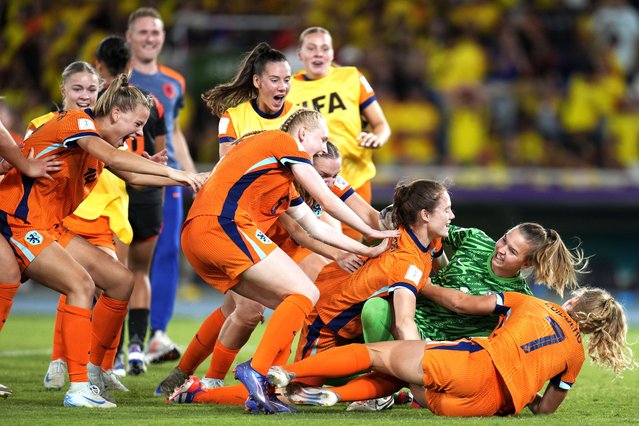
[439,219]
[316,53]
[273,86]
[511,254]
[327,168]
[124,125]
[314,139]
[146,38]
[79,91]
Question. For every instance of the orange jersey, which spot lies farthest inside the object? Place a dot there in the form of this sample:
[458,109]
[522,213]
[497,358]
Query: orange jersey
[254,178]
[280,236]
[535,341]
[45,202]
[406,264]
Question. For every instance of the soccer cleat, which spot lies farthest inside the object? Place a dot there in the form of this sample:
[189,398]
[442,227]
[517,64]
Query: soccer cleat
[279,377]
[211,383]
[175,378]
[5,391]
[403,397]
[136,361]
[257,386]
[86,396]
[377,404]
[112,381]
[118,366]
[161,349]
[95,376]
[303,395]
[280,408]
[56,373]
[185,393]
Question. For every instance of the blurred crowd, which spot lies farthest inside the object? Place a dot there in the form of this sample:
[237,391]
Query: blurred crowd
[546,83]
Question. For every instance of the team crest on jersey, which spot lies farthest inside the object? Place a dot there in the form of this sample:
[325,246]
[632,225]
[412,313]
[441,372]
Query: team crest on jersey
[317,209]
[414,274]
[341,183]
[34,238]
[85,124]
[263,238]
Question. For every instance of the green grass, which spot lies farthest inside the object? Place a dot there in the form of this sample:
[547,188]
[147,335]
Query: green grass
[25,345]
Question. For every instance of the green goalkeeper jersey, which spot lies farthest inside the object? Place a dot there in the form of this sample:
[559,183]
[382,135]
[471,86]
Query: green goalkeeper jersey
[468,270]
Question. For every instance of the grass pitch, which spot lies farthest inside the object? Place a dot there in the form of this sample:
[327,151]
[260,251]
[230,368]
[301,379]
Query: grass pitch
[25,345]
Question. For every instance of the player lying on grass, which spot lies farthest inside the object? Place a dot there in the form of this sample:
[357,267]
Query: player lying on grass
[535,341]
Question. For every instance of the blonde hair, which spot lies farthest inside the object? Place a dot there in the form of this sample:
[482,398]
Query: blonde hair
[300,117]
[599,314]
[554,264]
[313,30]
[121,95]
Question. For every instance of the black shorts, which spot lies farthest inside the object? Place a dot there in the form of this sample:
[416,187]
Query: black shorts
[145,212]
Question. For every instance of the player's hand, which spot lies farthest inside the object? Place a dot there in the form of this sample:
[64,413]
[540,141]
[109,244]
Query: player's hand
[193,180]
[386,218]
[158,157]
[374,234]
[41,167]
[368,140]
[380,248]
[349,262]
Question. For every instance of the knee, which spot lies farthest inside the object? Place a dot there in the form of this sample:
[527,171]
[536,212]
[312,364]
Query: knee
[249,313]
[375,309]
[82,286]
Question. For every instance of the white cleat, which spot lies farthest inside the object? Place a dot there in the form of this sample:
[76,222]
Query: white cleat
[86,396]
[210,383]
[279,377]
[112,381]
[5,391]
[56,374]
[321,397]
[377,404]
[95,376]
[161,349]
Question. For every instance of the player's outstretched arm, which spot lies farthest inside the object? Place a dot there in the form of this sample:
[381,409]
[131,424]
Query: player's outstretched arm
[458,301]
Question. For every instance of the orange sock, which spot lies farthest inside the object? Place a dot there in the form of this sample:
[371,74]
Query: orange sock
[226,395]
[7,293]
[286,321]
[203,343]
[109,355]
[58,344]
[108,317]
[221,361]
[76,334]
[368,386]
[341,361]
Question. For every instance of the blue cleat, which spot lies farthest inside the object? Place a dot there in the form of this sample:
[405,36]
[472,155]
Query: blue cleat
[257,386]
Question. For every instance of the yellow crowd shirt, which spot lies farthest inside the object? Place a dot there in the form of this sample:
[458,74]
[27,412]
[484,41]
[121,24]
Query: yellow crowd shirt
[341,97]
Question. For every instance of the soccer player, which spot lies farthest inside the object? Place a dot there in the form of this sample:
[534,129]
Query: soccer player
[239,320]
[534,342]
[145,34]
[343,96]
[31,212]
[249,188]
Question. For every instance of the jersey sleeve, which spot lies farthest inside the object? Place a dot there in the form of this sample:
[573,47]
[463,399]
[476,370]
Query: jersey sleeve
[366,93]
[158,126]
[289,152]
[295,197]
[437,248]
[405,273]
[76,127]
[225,130]
[342,189]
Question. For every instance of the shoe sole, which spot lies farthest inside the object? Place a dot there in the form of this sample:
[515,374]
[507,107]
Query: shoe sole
[172,355]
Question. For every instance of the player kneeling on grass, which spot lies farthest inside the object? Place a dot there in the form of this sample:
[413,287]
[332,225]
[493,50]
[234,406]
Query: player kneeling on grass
[535,341]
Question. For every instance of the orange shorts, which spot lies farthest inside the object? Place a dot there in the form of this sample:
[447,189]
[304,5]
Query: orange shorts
[366,192]
[97,232]
[461,380]
[220,249]
[27,242]
[315,337]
